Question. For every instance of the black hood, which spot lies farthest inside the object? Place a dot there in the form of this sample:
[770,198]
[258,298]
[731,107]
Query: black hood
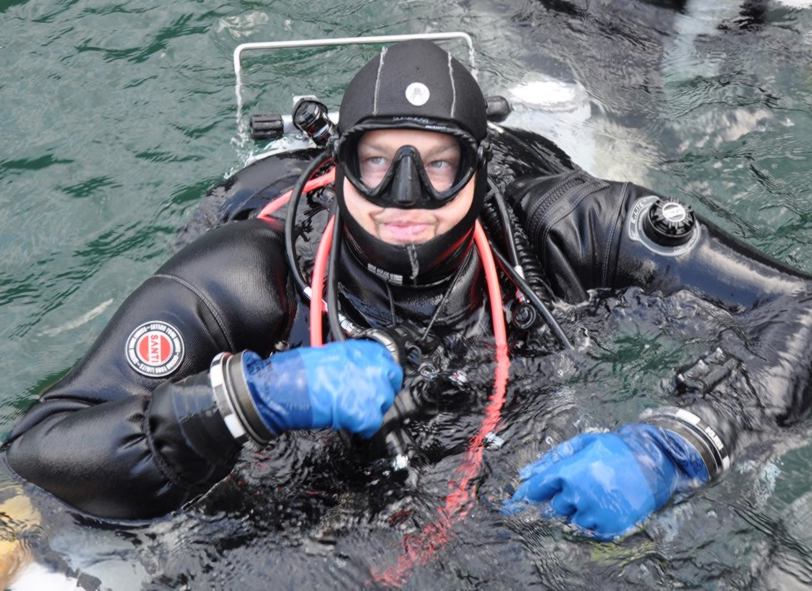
[415,79]
[420,83]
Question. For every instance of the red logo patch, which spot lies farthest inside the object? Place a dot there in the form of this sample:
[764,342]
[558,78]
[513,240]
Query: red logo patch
[155,349]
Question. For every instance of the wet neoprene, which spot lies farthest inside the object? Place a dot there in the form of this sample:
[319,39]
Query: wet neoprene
[116,444]
[415,79]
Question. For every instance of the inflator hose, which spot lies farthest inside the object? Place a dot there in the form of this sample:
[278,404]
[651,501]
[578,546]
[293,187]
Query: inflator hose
[293,204]
[496,219]
[502,223]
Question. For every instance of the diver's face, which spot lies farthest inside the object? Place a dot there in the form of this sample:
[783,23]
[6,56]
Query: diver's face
[439,153]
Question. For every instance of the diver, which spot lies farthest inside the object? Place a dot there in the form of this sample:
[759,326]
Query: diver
[200,360]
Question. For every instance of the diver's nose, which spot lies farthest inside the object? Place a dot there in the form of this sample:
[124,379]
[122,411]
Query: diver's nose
[406,188]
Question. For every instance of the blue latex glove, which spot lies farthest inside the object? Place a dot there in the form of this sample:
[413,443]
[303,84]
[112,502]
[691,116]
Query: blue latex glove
[607,483]
[343,385]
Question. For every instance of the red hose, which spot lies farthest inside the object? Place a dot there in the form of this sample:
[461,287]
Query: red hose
[317,285]
[311,185]
[317,282]
[419,548]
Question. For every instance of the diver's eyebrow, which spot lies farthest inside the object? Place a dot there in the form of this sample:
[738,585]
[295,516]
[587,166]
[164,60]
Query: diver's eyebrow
[363,145]
[438,150]
[385,148]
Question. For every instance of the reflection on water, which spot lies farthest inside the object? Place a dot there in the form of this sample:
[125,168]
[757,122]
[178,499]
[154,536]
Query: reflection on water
[708,101]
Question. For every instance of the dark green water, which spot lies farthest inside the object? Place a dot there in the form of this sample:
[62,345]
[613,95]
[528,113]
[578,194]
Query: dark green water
[116,116]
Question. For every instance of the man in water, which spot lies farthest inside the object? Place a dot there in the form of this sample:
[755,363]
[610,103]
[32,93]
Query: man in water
[155,415]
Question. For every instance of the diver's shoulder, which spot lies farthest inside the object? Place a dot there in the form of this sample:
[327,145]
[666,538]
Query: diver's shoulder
[533,191]
[245,245]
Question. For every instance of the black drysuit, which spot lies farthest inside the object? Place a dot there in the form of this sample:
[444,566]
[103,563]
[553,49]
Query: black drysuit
[118,444]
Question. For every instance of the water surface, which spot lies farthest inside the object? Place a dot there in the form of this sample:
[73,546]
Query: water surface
[118,116]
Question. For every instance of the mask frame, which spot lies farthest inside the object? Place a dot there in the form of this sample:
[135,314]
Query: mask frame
[406,171]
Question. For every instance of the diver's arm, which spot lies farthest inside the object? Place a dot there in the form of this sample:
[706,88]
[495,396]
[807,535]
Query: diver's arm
[588,234]
[584,232]
[114,442]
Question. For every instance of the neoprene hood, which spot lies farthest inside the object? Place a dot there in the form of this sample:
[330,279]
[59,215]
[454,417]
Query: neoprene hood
[415,79]
[415,85]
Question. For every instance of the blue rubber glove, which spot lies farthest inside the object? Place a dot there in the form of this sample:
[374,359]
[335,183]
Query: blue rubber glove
[343,385]
[607,483]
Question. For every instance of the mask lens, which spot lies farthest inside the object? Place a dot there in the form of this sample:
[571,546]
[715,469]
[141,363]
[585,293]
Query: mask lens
[440,163]
[373,166]
[442,167]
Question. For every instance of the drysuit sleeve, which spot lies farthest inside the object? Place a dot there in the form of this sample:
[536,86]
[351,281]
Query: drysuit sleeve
[589,233]
[133,431]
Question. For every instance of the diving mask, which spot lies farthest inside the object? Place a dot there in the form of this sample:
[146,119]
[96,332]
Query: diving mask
[406,178]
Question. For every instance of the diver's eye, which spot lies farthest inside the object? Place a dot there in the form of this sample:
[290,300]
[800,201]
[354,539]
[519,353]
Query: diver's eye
[373,169]
[440,165]
[373,161]
[441,173]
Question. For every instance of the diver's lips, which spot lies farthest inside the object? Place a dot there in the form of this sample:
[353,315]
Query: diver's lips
[403,232]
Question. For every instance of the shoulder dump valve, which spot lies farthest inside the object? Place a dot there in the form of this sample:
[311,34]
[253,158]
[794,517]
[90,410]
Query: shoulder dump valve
[267,126]
[669,223]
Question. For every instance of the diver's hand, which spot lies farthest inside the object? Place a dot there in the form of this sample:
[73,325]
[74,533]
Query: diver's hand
[607,483]
[345,385]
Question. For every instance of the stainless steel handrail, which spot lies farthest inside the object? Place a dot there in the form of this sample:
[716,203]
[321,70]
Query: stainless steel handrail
[377,39]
